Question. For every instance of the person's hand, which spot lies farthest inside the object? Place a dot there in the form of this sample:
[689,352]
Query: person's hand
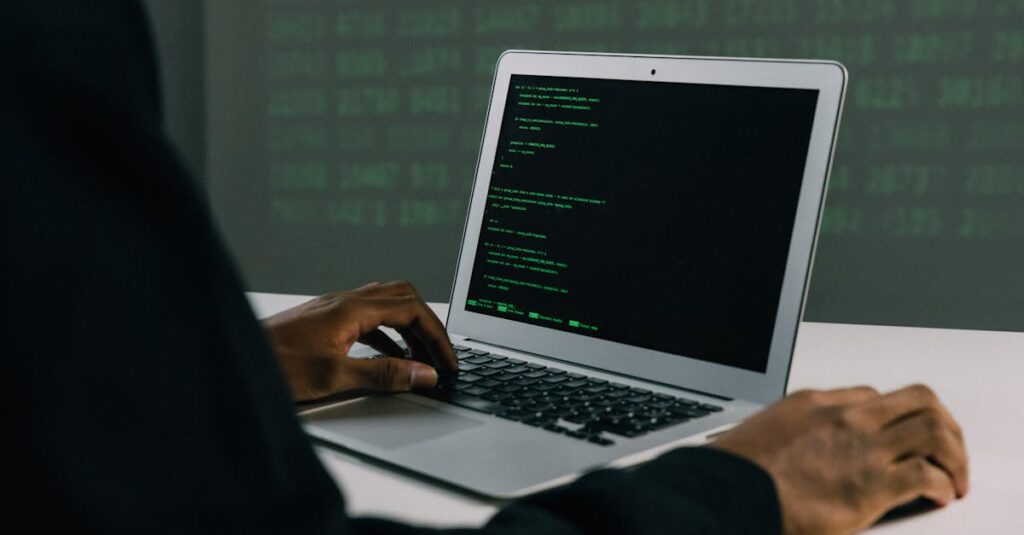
[841,459]
[312,342]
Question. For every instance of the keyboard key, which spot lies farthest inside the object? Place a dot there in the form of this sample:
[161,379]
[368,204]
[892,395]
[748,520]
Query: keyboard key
[540,396]
[459,348]
[476,391]
[510,414]
[687,412]
[709,408]
[659,423]
[469,402]
[578,418]
[540,407]
[628,430]
[496,396]
[556,428]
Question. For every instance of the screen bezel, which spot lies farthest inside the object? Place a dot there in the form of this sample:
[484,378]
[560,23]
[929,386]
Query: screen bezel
[827,77]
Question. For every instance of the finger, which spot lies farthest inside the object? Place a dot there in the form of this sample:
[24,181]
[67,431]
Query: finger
[916,477]
[367,286]
[411,313]
[838,396]
[846,396]
[425,349]
[926,434]
[388,289]
[386,375]
[886,409]
[380,341]
[417,350]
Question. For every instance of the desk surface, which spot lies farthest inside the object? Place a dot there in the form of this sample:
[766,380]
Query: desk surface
[979,374]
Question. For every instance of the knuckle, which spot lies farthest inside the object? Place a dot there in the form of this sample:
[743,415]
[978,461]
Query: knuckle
[385,372]
[848,418]
[805,395]
[327,298]
[869,390]
[404,285]
[919,469]
[923,393]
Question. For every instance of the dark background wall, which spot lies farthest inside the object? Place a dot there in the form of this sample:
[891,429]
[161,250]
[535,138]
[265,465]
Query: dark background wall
[342,135]
[179,33]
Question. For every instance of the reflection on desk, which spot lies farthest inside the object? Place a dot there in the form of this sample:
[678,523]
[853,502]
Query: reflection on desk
[978,374]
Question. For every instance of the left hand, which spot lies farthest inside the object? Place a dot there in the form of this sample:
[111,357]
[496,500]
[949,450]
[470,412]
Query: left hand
[312,342]
[841,458]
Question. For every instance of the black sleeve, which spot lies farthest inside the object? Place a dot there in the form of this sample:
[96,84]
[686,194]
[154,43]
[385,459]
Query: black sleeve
[139,393]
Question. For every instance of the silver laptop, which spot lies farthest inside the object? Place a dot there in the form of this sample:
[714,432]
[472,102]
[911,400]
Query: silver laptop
[632,272]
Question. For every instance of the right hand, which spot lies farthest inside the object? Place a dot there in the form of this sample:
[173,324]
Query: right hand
[841,459]
[312,342]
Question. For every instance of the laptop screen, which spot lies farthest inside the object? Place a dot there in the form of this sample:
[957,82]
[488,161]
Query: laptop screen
[653,214]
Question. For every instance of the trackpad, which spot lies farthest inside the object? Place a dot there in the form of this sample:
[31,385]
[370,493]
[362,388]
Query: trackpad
[389,422]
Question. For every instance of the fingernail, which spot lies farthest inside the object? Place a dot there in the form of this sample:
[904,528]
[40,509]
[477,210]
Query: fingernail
[423,376]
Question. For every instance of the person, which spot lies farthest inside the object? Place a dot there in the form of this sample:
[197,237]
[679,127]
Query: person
[142,395]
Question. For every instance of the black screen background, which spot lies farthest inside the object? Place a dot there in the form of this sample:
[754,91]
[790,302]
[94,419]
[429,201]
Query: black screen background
[689,252]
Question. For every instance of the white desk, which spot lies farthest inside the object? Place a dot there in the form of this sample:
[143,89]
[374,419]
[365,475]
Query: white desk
[979,374]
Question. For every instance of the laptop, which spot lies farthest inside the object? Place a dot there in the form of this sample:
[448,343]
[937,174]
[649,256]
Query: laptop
[632,272]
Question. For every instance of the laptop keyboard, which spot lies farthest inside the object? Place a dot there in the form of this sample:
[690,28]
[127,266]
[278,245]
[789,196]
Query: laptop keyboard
[571,404]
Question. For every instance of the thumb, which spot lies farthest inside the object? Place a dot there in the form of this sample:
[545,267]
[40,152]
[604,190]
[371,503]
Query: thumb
[392,374]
